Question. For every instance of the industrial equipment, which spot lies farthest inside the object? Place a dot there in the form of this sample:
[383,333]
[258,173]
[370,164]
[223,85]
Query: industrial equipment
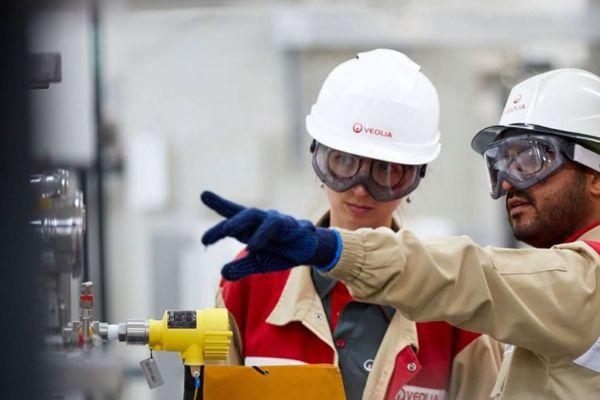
[59,222]
[198,336]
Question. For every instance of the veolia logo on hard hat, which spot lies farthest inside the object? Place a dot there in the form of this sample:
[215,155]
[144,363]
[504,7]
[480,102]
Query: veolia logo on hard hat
[359,128]
[517,98]
[516,106]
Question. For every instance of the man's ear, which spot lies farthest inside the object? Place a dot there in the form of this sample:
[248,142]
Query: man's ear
[594,182]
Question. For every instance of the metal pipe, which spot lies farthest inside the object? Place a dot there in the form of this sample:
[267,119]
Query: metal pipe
[134,332]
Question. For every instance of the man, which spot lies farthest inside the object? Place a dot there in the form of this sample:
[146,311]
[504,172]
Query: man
[544,302]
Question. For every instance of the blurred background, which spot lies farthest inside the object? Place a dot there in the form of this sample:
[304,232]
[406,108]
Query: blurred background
[161,99]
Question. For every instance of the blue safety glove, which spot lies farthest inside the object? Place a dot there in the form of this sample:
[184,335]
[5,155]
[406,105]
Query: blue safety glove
[274,241]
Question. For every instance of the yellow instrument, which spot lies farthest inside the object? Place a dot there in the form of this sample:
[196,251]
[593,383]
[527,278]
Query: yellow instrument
[197,335]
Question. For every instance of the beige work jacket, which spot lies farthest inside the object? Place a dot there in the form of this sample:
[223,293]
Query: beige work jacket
[544,302]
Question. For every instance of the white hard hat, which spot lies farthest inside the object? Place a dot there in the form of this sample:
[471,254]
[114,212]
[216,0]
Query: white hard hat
[378,105]
[563,102]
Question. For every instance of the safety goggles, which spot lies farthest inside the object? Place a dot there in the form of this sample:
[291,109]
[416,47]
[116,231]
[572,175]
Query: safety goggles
[385,181]
[526,159]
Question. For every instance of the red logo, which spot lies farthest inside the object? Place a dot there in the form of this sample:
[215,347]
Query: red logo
[359,128]
[517,98]
[516,106]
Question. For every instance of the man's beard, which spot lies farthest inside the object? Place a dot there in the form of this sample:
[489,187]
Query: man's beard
[558,218]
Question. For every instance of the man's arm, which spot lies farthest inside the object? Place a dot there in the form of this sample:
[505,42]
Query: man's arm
[544,300]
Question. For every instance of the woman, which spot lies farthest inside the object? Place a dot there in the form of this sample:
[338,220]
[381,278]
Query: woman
[375,128]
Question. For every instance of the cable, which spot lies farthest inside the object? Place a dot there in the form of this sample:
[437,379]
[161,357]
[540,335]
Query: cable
[197,384]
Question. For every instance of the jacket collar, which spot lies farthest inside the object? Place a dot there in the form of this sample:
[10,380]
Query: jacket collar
[590,232]
[299,297]
[300,302]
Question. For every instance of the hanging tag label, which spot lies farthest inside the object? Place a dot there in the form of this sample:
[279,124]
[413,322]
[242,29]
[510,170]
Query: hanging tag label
[151,372]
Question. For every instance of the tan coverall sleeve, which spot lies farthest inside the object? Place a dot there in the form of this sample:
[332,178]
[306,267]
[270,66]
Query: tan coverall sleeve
[544,300]
[475,370]
[235,348]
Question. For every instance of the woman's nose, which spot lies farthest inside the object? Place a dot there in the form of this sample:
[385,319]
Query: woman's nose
[359,190]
